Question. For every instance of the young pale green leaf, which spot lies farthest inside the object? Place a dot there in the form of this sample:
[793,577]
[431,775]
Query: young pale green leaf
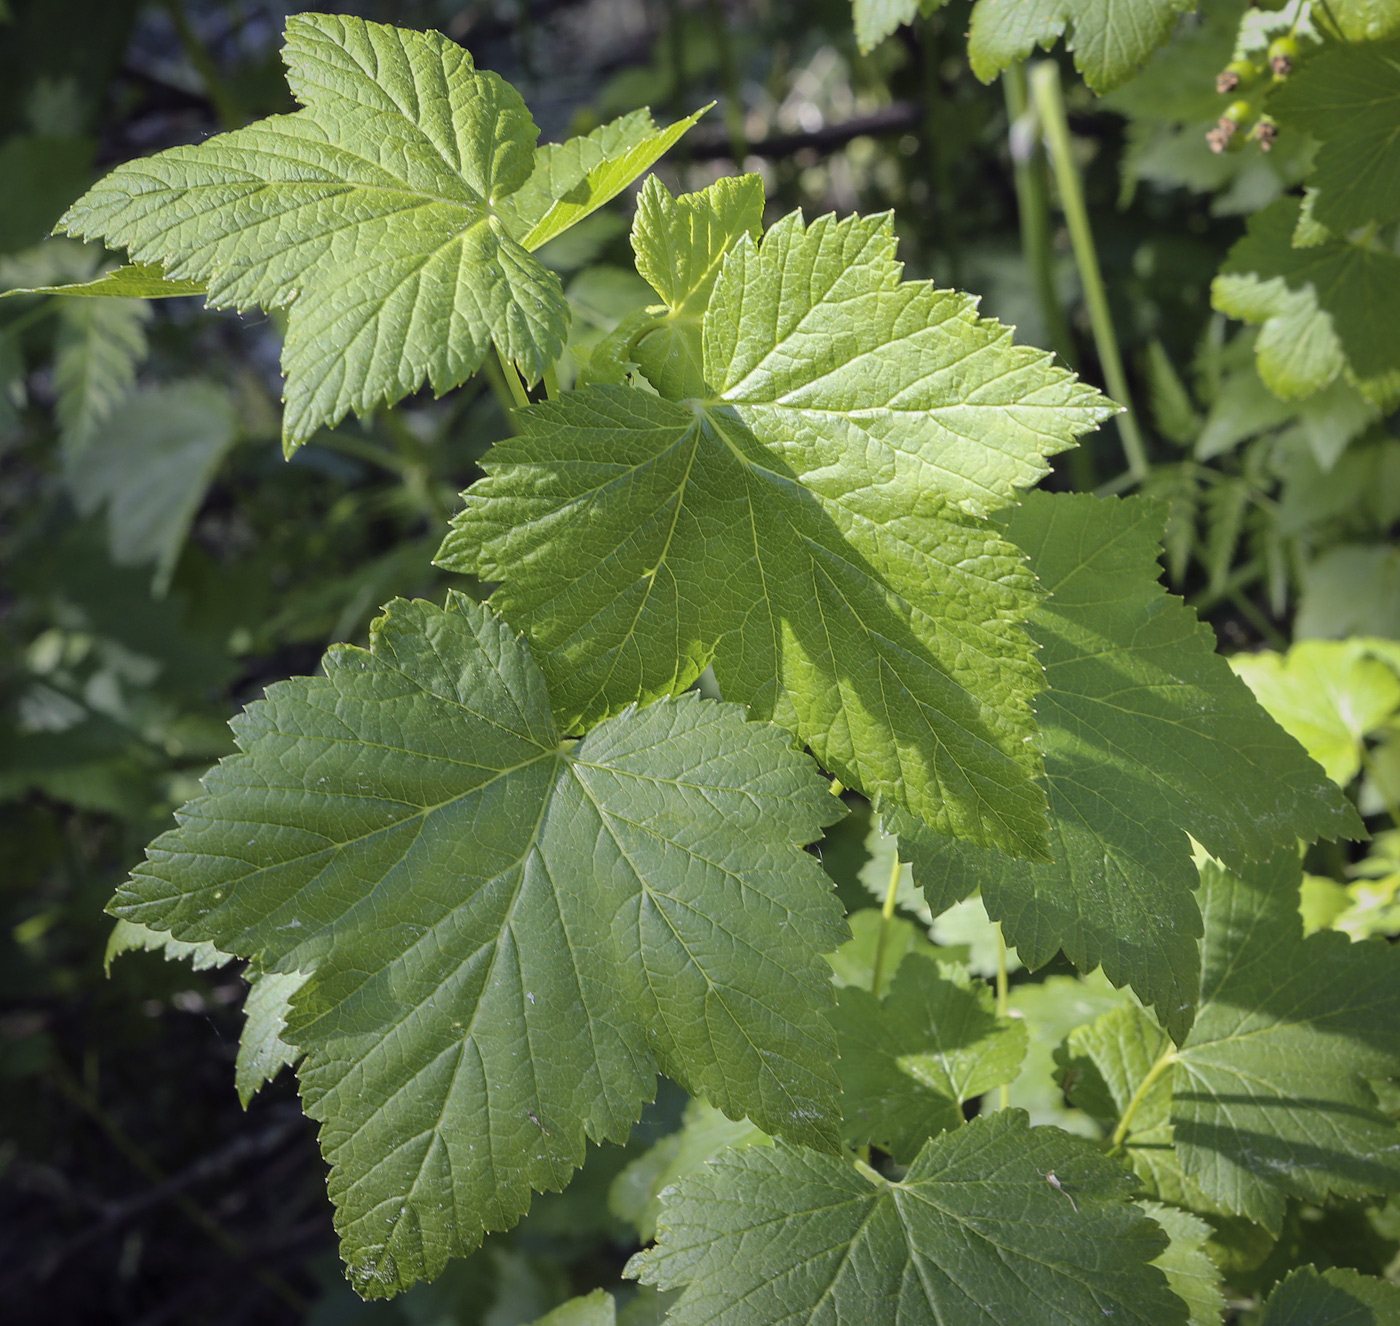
[812,526]
[974,1233]
[635,1195]
[151,467]
[1050,1010]
[1193,1277]
[1337,1296]
[1270,1090]
[573,179]
[1359,20]
[1325,309]
[1329,694]
[1148,736]
[371,214]
[132,281]
[595,1309]
[506,934]
[910,1060]
[871,936]
[680,245]
[1120,1062]
[876,19]
[1348,96]
[1110,41]
[97,352]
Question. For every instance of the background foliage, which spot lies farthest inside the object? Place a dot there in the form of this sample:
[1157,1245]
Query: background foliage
[1255,324]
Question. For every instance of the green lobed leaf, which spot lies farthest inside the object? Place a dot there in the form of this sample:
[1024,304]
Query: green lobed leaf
[595,1309]
[1351,589]
[1110,40]
[1193,1277]
[1115,1064]
[131,281]
[507,935]
[262,1051]
[812,527]
[1147,736]
[911,1059]
[132,937]
[571,180]
[680,245]
[877,19]
[97,352]
[151,467]
[1050,1010]
[371,214]
[1325,309]
[1359,20]
[1348,96]
[854,962]
[973,1234]
[1337,1296]
[635,1195]
[1270,1090]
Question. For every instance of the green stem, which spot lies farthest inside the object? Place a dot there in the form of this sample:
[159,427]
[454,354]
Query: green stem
[886,922]
[1164,1061]
[1033,209]
[78,1095]
[1050,106]
[512,382]
[551,382]
[1003,1004]
[226,104]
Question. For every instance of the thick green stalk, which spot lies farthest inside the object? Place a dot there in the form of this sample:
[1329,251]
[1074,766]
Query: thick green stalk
[1003,1004]
[1164,1061]
[1050,107]
[511,380]
[1033,209]
[886,922]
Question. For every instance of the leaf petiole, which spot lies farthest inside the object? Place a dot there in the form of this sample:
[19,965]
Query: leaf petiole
[1164,1061]
[886,921]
